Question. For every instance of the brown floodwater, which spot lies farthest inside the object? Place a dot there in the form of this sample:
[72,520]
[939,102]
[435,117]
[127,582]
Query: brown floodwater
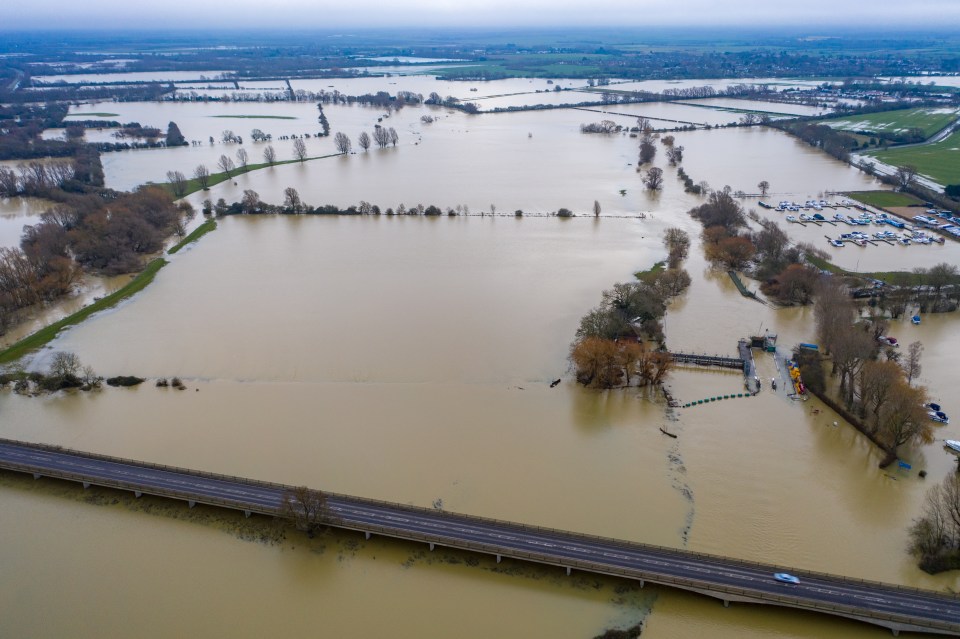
[409,359]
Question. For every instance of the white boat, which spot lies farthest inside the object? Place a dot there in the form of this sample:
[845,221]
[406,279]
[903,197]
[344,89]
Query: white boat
[953,445]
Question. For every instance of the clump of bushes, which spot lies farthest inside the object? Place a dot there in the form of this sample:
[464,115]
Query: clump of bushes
[124,380]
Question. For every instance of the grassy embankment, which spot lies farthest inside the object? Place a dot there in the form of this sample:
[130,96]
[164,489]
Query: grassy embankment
[47,333]
[195,235]
[939,161]
[193,184]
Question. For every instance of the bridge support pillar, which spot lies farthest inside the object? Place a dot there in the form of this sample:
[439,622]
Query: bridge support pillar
[499,558]
[246,514]
[137,494]
[431,546]
[86,485]
[568,571]
[36,475]
[367,534]
[191,503]
[641,582]
[896,633]
[726,603]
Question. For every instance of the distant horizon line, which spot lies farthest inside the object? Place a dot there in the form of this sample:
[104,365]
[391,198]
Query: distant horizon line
[813,29]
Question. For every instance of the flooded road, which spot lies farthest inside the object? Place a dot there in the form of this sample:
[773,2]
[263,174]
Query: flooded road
[409,359]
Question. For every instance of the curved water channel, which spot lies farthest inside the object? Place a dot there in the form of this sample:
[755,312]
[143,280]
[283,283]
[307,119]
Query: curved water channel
[409,359]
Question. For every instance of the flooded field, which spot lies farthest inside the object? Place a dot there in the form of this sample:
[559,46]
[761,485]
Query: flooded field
[15,213]
[410,358]
[758,105]
[129,77]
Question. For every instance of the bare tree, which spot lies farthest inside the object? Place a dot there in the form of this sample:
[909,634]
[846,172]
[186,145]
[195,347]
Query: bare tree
[677,243]
[269,154]
[308,509]
[911,365]
[242,158]
[178,182]
[250,201]
[300,149]
[381,136]
[364,141]
[291,200]
[648,149]
[202,175]
[903,419]
[342,143]
[394,138]
[226,165]
[653,179]
[764,187]
[227,136]
[935,536]
[905,175]
[63,365]
[596,208]
[675,154]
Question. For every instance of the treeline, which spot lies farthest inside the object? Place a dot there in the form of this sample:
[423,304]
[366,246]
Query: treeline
[74,93]
[766,254]
[611,346]
[251,204]
[829,140]
[109,233]
[876,380]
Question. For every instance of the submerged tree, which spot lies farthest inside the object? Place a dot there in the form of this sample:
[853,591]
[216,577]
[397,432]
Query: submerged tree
[308,509]
[299,149]
[342,143]
[174,136]
[653,179]
[363,140]
[269,154]
[291,200]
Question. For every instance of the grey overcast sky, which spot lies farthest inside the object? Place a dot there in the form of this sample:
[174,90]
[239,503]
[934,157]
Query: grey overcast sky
[336,14]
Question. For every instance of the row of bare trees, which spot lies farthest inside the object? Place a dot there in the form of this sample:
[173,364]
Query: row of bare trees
[876,381]
[35,177]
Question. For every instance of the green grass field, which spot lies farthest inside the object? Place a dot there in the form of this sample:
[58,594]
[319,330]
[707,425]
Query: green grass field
[883,199]
[47,333]
[940,161]
[930,120]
